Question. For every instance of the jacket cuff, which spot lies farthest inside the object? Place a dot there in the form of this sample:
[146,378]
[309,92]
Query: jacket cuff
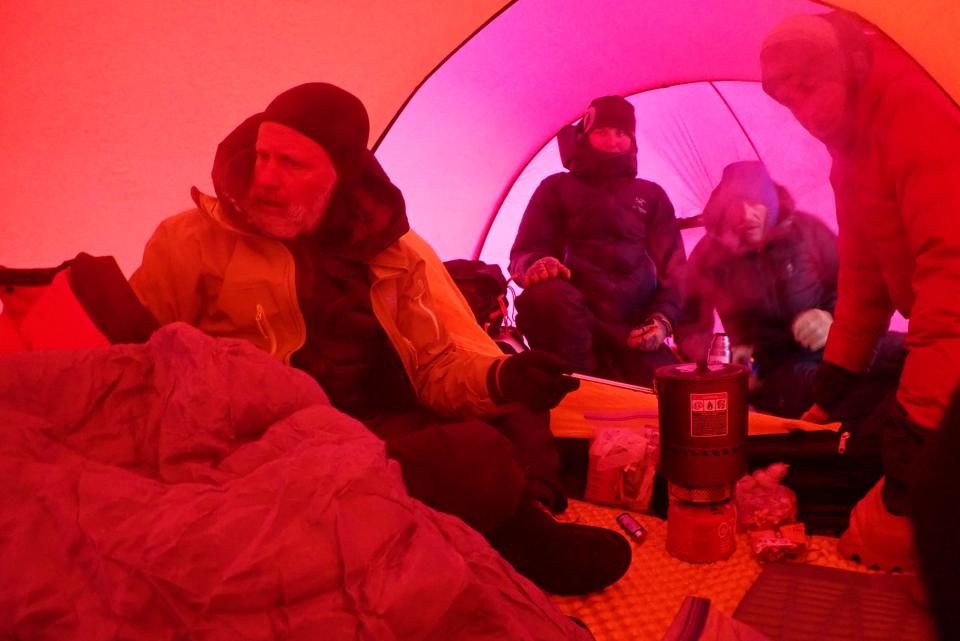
[662,319]
[493,382]
[831,384]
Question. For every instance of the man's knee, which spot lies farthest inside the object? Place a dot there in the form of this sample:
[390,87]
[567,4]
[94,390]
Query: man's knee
[466,469]
[554,296]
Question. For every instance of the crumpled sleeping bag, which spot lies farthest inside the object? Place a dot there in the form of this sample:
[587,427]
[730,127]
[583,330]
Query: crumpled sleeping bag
[196,488]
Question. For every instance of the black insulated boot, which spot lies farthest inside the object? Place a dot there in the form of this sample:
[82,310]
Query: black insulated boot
[561,558]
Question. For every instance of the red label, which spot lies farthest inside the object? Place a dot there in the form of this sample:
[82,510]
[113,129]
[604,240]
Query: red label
[708,414]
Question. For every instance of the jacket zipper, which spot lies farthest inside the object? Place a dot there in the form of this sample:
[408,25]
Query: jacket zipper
[263,324]
[842,446]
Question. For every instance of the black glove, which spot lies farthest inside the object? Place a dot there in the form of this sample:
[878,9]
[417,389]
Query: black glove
[533,378]
[831,384]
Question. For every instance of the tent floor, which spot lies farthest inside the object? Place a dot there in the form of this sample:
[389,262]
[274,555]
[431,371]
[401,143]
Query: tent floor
[643,603]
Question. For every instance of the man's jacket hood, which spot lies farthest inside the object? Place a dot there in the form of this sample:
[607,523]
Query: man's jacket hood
[366,213]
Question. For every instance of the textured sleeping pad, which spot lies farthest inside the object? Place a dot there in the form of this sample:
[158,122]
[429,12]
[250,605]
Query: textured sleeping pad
[641,606]
[809,603]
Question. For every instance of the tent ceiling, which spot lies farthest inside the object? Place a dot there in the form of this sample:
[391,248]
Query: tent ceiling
[112,109]
[459,143]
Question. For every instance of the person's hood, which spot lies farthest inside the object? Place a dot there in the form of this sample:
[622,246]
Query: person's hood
[581,159]
[366,213]
[745,181]
[803,41]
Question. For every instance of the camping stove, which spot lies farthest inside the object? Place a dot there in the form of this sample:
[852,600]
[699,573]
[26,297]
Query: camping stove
[703,433]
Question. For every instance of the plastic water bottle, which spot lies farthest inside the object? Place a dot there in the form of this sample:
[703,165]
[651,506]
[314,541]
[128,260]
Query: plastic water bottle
[719,352]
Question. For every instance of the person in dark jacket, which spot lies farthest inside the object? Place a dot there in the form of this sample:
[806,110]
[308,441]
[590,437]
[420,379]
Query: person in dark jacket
[599,254]
[770,272]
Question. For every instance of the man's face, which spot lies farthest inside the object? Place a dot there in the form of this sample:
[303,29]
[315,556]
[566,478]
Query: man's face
[609,139]
[293,180]
[742,227]
[752,223]
[812,87]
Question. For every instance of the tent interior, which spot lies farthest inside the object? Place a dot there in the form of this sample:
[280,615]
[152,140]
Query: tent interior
[112,110]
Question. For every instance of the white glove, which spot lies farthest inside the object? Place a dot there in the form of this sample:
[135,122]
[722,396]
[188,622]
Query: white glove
[811,327]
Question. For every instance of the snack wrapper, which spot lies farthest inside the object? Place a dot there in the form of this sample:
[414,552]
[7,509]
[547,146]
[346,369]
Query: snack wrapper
[788,542]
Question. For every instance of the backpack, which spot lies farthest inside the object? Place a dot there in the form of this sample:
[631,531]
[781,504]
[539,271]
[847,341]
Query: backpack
[485,288]
[83,302]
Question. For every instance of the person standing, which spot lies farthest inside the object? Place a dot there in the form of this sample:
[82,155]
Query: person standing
[893,136]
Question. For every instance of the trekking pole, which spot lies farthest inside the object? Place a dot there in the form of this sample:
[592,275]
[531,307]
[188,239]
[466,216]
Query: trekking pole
[607,381]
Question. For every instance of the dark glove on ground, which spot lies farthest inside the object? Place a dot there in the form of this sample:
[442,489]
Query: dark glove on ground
[533,378]
[831,384]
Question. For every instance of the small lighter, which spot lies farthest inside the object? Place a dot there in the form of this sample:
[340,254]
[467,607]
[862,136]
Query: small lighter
[631,527]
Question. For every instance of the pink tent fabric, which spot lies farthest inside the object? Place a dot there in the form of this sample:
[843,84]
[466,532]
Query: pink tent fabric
[111,110]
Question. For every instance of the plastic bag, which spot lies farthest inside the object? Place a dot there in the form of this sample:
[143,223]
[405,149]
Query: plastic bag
[763,503]
[623,462]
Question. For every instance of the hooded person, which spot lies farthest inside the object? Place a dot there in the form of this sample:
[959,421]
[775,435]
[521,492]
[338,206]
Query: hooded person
[599,254]
[306,252]
[770,273]
[893,137]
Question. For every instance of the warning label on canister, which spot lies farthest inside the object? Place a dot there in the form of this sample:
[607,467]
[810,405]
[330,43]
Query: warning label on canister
[708,414]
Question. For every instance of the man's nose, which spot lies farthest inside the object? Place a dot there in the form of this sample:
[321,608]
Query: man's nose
[265,172]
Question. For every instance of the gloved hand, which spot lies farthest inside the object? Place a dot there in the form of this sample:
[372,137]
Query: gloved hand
[831,384]
[743,355]
[544,269]
[811,327]
[650,336]
[533,378]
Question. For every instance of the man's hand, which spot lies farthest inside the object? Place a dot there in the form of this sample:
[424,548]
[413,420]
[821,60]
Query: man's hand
[811,327]
[743,355]
[544,269]
[534,378]
[649,337]
[816,414]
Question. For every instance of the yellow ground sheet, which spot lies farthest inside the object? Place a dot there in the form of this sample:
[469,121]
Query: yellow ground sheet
[641,606]
[568,420]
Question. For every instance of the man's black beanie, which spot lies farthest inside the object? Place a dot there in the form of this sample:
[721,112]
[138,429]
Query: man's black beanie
[334,118]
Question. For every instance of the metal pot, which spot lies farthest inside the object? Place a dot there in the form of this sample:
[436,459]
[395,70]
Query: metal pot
[703,428]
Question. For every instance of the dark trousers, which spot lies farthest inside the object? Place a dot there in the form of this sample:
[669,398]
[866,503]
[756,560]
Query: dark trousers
[472,469]
[785,390]
[554,316]
[935,495]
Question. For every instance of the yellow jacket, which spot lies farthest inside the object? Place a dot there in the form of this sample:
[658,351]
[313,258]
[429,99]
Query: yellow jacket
[200,269]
